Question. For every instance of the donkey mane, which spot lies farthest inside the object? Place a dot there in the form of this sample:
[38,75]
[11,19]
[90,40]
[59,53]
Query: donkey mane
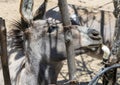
[20,24]
[17,33]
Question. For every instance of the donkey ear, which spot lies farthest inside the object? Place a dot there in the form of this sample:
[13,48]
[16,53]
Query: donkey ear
[26,7]
[40,12]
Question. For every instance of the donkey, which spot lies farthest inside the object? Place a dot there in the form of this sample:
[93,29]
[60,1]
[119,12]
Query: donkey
[44,51]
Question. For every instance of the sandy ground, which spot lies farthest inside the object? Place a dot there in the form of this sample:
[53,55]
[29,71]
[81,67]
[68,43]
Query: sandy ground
[9,9]
[87,67]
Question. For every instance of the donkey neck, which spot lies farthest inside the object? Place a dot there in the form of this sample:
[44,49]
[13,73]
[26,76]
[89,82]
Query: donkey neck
[37,62]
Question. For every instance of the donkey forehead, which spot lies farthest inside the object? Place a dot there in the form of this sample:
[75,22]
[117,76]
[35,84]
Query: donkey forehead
[40,23]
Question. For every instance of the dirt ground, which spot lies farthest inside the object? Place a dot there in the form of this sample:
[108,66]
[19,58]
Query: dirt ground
[87,66]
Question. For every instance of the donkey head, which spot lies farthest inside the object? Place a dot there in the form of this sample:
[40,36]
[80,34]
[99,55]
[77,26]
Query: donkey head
[37,29]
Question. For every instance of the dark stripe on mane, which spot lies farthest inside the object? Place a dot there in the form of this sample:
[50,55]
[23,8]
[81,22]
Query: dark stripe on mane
[17,34]
[20,24]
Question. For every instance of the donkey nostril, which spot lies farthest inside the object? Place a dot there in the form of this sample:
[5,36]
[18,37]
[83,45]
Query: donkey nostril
[95,33]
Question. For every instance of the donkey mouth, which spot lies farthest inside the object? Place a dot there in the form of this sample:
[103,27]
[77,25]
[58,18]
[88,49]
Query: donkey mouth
[94,48]
[86,49]
[94,45]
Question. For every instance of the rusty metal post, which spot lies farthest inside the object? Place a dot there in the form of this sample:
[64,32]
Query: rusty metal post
[68,37]
[4,57]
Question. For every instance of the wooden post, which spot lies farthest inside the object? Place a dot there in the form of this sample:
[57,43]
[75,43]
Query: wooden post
[4,57]
[102,24]
[110,77]
[68,37]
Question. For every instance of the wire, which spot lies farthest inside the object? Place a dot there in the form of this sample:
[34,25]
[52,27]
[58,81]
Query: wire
[96,78]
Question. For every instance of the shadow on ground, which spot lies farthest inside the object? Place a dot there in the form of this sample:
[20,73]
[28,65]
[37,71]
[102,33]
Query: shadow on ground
[80,83]
[86,70]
